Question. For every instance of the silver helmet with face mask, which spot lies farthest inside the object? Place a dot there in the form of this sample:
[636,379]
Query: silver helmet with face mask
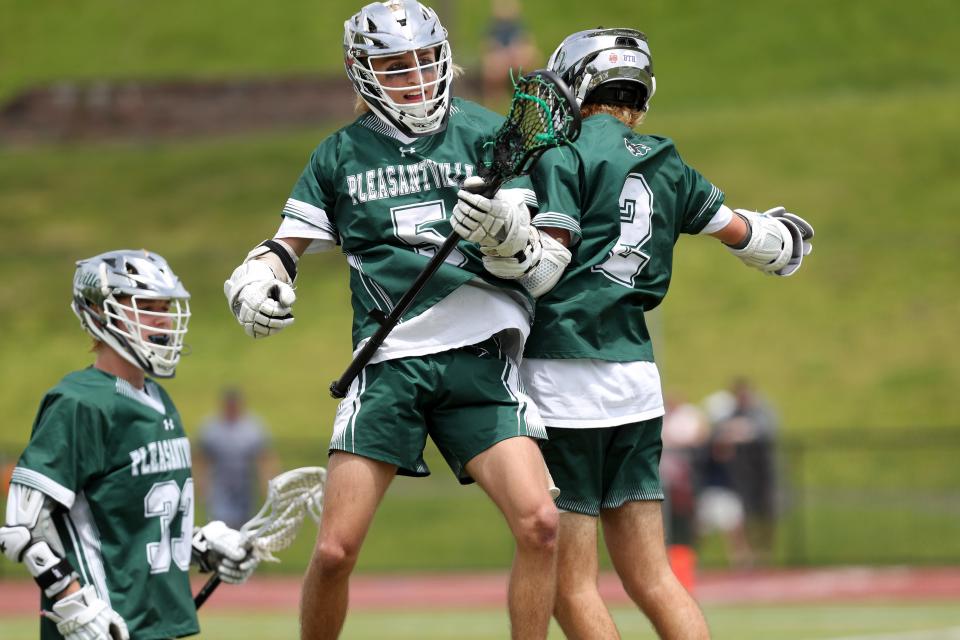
[608,66]
[109,291]
[411,33]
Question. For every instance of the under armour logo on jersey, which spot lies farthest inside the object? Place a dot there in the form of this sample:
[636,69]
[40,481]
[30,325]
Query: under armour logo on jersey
[636,148]
[407,150]
[168,424]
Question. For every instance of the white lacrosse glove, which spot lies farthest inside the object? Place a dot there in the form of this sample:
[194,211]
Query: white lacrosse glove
[538,267]
[83,616]
[496,224]
[217,547]
[777,241]
[260,291]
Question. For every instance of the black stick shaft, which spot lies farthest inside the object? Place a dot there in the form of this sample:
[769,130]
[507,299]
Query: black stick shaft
[206,591]
[339,387]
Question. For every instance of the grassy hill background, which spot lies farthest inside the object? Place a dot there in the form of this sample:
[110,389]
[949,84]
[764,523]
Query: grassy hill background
[845,112]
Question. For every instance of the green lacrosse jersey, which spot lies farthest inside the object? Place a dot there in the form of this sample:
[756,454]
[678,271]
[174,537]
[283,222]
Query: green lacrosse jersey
[386,201]
[625,198]
[117,462]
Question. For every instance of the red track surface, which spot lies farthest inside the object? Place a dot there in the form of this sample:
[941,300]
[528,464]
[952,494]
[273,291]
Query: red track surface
[849,584]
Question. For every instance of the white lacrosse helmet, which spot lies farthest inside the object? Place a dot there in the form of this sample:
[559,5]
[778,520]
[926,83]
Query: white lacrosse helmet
[397,27]
[140,275]
[610,66]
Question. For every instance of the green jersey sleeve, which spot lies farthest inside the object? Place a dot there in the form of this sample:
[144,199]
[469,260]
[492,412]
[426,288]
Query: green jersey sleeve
[65,449]
[557,181]
[314,196]
[698,197]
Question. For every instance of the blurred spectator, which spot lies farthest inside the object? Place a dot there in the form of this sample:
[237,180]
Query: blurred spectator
[508,45]
[754,426]
[719,506]
[236,460]
[685,429]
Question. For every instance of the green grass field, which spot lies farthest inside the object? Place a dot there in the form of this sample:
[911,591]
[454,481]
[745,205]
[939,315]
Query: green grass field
[886,621]
[846,112]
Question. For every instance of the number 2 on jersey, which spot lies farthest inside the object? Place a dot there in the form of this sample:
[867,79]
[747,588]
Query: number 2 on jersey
[626,260]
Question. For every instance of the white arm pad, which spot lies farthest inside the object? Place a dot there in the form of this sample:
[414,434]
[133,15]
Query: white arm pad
[545,274]
[31,538]
[541,266]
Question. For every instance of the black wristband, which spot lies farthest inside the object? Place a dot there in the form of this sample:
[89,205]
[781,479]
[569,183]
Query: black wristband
[55,574]
[746,239]
[289,264]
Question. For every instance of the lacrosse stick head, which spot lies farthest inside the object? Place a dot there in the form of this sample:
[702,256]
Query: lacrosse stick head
[291,496]
[543,114]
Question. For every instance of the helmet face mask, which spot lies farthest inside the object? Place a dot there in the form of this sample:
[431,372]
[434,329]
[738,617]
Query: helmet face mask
[134,303]
[612,66]
[397,56]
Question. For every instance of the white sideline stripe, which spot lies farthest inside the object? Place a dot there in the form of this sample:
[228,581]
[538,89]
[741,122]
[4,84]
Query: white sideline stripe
[89,538]
[947,633]
[75,540]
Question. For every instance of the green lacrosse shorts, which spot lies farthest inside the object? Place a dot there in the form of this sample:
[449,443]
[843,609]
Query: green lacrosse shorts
[605,468]
[466,400]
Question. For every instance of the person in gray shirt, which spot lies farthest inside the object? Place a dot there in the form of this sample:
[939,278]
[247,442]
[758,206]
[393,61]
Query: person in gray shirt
[236,456]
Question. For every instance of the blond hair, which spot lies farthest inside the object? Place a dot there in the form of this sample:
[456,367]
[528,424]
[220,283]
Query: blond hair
[630,117]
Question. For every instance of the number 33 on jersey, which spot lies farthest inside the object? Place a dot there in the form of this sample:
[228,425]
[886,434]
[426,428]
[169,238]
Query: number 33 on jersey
[117,461]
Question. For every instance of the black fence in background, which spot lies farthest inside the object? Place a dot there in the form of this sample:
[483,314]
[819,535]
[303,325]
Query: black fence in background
[839,497]
[869,496]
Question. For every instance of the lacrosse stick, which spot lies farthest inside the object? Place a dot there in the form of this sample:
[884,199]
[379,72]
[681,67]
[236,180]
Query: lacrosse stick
[543,114]
[291,496]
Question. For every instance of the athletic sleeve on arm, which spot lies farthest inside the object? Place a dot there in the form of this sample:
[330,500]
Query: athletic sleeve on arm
[556,180]
[306,213]
[699,199]
[65,449]
[720,220]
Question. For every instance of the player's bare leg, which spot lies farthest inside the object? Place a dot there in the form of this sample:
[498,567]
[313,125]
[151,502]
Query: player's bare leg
[579,608]
[512,473]
[634,537]
[355,486]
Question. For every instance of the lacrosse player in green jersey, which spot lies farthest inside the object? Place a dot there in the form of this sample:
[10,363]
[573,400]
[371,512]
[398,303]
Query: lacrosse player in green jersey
[100,508]
[381,188]
[620,201]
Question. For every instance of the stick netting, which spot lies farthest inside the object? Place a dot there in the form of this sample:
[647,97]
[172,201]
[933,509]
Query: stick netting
[542,115]
[291,496]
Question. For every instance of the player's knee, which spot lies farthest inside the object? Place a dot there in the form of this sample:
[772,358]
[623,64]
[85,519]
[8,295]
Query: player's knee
[652,587]
[334,557]
[539,529]
[568,597]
